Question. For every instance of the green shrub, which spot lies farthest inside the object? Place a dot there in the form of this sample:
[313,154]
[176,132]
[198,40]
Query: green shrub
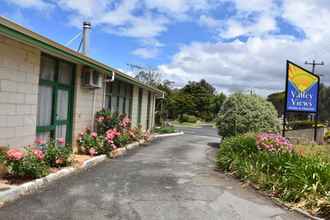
[165,130]
[122,140]
[287,175]
[93,144]
[246,113]
[188,119]
[106,120]
[28,163]
[57,155]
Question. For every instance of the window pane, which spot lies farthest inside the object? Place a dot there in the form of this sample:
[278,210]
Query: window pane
[121,102]
[61,131]
[108,88]
[108,102]
[65,73]
[122,89]
[62,104]
[47,69]
[114,104]
[44,137]
[127,106]
[45,101]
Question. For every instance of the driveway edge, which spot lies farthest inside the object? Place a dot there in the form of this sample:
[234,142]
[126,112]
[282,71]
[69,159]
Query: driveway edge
[168,135]
[15,192]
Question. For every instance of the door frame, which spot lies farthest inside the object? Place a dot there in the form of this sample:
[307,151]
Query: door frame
[55,87]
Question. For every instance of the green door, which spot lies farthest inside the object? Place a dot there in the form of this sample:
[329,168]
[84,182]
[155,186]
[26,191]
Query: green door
[55,99]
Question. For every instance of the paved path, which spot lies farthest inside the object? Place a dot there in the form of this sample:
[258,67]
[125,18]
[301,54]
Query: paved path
[169,179]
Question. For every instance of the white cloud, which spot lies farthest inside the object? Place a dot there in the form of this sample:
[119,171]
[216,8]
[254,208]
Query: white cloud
[209,22]
[36,4]
[146,53]
[257,64]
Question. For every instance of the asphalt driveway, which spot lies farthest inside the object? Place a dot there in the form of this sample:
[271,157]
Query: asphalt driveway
[172,178]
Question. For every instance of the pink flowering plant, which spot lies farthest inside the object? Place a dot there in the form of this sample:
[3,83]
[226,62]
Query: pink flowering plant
[105,120]
[57,153]
[91,143]
[28,162]
[273,143]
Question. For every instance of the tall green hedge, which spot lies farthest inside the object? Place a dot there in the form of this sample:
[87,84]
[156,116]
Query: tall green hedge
[246,113]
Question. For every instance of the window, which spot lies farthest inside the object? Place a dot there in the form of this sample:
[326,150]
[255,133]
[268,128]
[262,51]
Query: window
[148,110]
[55,98]
[140,106]
[108,98]
[119,97]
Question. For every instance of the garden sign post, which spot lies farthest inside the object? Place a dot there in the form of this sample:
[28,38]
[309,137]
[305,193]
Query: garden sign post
[301,92]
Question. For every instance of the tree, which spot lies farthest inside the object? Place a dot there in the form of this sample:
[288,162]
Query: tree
[324,103]
[201,93]
[149,76]
[216,103]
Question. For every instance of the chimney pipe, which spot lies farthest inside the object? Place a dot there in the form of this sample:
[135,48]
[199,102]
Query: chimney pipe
[87,26]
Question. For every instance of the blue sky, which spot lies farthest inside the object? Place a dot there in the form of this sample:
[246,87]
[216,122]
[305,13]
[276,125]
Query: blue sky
[234,44]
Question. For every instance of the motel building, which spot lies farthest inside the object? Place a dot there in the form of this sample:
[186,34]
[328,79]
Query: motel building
[50,91]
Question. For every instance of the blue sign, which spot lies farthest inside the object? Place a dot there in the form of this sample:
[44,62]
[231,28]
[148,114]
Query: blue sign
[301,90]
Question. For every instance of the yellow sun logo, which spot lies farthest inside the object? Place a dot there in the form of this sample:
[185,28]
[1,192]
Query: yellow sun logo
[301,79]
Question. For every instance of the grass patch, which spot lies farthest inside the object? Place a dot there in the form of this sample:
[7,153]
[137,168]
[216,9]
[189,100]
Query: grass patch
[322,151]
[165,130]
[299,180]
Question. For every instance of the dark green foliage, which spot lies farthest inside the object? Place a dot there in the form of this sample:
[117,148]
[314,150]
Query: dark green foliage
[122,140]
[289,176]
[57,156]
[246,113]
[27,167]
[165,130]
[106,120]
[188,118]
[195,98]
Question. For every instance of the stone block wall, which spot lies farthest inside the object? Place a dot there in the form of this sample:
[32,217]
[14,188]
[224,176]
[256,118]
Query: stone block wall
[19,78]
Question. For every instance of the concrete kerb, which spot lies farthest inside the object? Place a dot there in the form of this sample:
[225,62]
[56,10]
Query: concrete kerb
[168,135]
[15,192]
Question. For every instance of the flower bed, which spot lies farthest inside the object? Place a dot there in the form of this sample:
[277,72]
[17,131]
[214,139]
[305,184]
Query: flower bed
[269,162]
[113,131]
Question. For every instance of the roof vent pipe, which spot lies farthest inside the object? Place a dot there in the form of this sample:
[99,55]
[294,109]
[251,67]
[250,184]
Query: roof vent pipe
[87,26]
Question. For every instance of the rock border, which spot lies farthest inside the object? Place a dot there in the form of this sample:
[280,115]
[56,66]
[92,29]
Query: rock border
[16,192]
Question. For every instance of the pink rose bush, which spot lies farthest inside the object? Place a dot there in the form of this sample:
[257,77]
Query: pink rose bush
[15,154]
[91,143]
[112,131]
[38,154]
[28,162]
[273,143]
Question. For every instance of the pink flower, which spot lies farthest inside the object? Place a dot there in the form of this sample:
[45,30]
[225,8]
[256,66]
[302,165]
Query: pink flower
[15,154]
[59,161]
[99,118]
[111,134]
[125,122]
[61,141]
[92,152]
[38,153]
[40,141]
[94,134]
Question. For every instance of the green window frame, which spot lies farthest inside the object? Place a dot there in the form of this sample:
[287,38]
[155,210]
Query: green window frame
[56,85]
[148,110]
[140,106]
